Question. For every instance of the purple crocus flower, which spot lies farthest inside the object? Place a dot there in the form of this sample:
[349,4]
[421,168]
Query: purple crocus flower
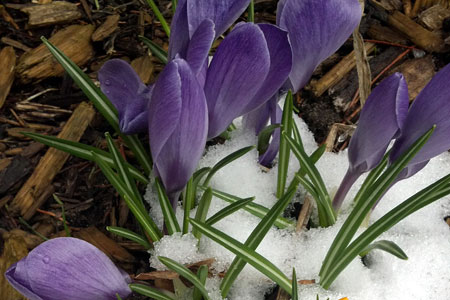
[128,94]
[68,268]
[431,107]
[249,66]
[177,124]
[382,119]
[316,29]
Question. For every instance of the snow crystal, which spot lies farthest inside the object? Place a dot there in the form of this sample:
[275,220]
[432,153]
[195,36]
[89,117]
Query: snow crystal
[424,236]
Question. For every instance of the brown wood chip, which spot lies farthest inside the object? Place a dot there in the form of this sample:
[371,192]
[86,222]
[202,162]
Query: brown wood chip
[107,28]
[52,13]
[8,64]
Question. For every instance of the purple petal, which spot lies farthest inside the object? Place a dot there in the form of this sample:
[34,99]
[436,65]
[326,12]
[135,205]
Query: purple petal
[431,107]
[235,75]
[179,31]
[223,13]
[317,28]
[68,268]
[201,42]
[381,118]
[177,125]
[128,94]
[280,64]
[267,157]
[257,119]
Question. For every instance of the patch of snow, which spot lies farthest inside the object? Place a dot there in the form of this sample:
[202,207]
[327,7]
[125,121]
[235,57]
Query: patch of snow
[424,236]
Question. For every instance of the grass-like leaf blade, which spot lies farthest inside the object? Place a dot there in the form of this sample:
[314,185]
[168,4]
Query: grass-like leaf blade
[170,221]
[149,292]
[225,161]
[322,195]
[284,152]
[130,235]
[156,50]
[264,138]
[253,208]
[387,246]
[246,254]
[202,210]
[140,214]
[255,239]
[202,273]
[228,210]
[433,192]
[361,208]
[101,102]
[294,285]
[186,273]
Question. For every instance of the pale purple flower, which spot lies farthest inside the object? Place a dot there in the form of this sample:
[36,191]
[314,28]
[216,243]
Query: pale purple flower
[381,120]
[431,107]
[177,125]
[70,269]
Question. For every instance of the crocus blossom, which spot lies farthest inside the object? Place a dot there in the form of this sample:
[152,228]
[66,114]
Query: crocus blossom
[431,107]
[68,268]
[381,120]
[316,29]
[177,124]
[128,94]
[250,65]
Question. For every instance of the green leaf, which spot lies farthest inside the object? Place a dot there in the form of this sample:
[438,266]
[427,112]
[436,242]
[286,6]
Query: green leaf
[254,240]
[202,273]
[155,49]
[159,16]
[264,138]
[387,246]
[169,215]
[130,235]
[225,161]
[149,292]
[63,215]
[174,5]
[284,152]
[139,213]
[202,210]
[245,253]
[190,194]
[298,138]
[327,214]
[428,195]
[186,273]
[294,285]
[82,151]
[229,210]
[251,11]
[118,296]
[253,208]
[101,102]
[361,208]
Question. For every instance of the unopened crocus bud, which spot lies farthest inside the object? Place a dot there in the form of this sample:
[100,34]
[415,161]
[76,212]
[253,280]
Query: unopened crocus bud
[69,269]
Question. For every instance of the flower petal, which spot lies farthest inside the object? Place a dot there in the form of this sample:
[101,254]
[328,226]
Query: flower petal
[17,276]
[68,268]
[280,64]
[317,28]
[381,118]
[179,31]
[199,46]
[431,107]
[267,157]
[178,125]
[128,94]
[235,75]
[223,13]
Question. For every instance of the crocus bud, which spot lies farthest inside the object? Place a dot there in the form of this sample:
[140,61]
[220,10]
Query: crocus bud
[381,119]
[177,124]
[123,87]
[431,107]
[70,269]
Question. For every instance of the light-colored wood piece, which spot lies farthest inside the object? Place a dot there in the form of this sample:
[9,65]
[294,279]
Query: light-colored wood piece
[144,68]
[51,13]
[304,215]
[338,72]
[74,41]
[109,26]
[28,199]
[8,65]
[433,17]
